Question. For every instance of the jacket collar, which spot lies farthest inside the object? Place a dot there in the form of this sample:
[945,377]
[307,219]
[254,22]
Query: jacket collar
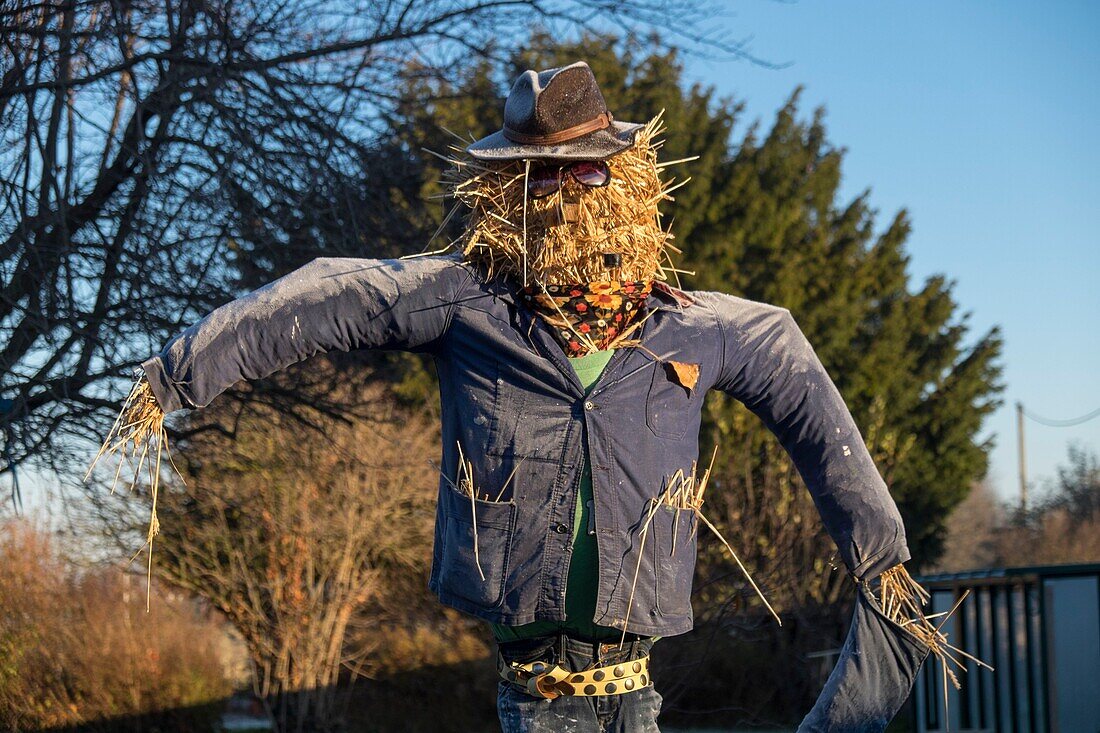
[666,297]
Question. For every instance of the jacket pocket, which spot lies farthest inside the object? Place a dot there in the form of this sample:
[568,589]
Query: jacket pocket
[474,564]
[528,419]
[508,405]
[674,542]
[669,405]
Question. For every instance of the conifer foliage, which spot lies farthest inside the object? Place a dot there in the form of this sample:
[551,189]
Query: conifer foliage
[763,219]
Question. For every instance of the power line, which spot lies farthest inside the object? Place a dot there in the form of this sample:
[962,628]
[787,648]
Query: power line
[1022,452]
[1061,423]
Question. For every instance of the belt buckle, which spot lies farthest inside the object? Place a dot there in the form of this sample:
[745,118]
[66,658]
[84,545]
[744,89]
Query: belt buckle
[539,679]
[545,683]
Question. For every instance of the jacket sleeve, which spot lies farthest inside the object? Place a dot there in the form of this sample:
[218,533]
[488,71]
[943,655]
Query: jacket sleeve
[329,304]
[769,365]
[872,677]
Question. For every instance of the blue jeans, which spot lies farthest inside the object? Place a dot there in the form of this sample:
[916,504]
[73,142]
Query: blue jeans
[519,712]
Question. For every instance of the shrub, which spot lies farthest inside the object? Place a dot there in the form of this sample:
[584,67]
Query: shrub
[77,646]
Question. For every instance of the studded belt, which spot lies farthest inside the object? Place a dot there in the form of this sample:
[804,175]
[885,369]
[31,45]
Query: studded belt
[542,679]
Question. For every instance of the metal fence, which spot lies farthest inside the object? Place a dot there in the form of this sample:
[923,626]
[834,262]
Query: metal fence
[1039,627]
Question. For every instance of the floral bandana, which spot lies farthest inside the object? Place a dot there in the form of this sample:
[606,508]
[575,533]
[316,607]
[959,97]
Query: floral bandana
[587,317]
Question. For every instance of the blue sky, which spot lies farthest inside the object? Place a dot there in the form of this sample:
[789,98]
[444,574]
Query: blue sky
[982,119]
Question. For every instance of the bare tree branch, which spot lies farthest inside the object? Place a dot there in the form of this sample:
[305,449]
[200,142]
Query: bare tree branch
[158,157]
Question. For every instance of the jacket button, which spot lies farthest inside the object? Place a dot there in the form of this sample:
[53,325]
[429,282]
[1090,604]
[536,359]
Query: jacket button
[561,528]
[590,405]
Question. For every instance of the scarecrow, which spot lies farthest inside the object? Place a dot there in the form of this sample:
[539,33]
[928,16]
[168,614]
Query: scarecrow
[572,377]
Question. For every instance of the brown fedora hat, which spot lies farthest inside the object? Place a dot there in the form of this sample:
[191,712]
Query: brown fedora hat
[558,113]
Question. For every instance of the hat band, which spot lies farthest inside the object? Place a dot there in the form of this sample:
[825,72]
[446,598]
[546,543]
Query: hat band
[599,122]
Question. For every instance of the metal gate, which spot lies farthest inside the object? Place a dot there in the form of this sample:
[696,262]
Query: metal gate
[1039,627]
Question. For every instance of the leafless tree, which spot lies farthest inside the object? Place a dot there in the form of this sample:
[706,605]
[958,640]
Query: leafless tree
[293,540]
[1061,526]
[972,530]
[1064,524]
[142,142]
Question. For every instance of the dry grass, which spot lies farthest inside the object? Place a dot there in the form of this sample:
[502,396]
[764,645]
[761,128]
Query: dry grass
[138,440]
[902,600]
[684,492]
[563,238]
[78,650]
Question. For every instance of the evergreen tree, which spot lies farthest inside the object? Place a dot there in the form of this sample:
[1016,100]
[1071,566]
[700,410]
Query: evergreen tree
[761,219]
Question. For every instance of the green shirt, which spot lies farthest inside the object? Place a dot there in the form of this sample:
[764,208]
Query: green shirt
[580,593]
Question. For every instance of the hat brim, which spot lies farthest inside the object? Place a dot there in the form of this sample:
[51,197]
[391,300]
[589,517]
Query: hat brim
[593,146]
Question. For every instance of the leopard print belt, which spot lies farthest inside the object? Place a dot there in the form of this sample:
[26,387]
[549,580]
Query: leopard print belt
[542,679]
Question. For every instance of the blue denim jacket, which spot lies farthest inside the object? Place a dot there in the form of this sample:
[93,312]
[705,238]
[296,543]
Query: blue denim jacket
[513,402]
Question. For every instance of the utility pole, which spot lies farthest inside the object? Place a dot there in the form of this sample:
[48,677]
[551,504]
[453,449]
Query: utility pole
[1020,451]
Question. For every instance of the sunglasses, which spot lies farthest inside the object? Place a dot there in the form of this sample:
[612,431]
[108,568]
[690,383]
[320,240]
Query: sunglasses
[546,179]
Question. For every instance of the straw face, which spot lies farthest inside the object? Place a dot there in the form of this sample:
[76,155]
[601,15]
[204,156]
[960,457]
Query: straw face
[572,234]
